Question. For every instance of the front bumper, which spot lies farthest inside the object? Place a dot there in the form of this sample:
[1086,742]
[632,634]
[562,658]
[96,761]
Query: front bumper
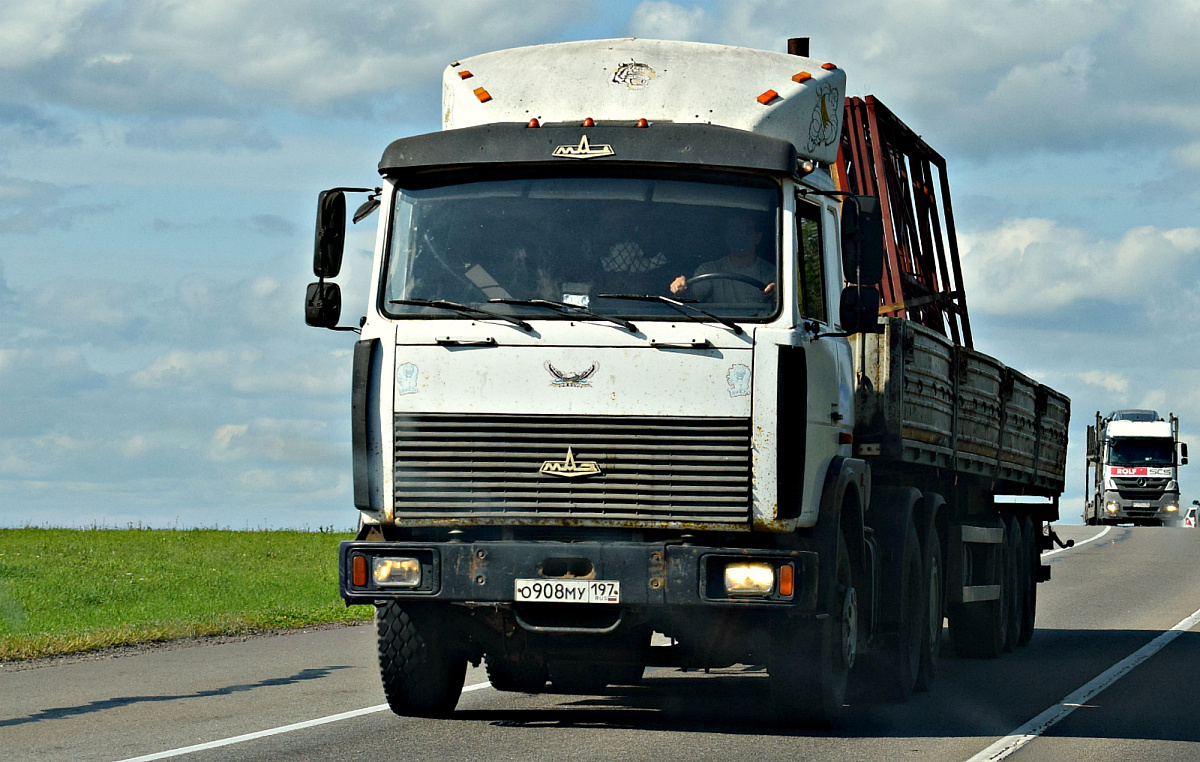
[651,574]
[1140,509]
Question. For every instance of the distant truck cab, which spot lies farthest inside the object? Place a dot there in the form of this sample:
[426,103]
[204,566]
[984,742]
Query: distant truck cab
[1132,469]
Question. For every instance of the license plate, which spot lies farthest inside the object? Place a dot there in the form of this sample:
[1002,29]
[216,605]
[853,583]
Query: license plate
[1137,504]
[568,591]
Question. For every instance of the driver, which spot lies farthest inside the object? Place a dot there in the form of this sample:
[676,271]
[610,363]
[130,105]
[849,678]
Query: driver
[742,236]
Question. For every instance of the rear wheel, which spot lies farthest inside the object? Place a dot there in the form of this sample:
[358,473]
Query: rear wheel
[421,676]
[810,662]
[1029,566]
[1014,587]
[581,678]
[901,662]
[979,629]
[522,676]
[931,634]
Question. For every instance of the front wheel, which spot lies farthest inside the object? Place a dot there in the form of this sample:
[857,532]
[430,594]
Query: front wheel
[809,666]
[422,677]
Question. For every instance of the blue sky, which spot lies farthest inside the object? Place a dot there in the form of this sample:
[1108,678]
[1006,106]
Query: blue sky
[160,160]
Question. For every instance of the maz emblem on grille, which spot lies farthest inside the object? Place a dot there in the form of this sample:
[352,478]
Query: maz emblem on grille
[570,467]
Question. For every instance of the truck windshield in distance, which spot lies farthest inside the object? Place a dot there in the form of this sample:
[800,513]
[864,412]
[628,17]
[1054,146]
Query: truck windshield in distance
[1135,451]
[572,239]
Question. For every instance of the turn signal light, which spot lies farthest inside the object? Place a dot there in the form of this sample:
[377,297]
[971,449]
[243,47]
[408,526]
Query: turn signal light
[787,580]
[358,569]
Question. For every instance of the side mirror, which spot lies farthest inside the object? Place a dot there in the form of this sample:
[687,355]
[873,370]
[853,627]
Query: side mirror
[322,305]
[330,239]
[860,310]
[1183,453]
[862,240]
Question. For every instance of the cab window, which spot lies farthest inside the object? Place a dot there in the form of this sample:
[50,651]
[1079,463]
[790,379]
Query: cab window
[811,275]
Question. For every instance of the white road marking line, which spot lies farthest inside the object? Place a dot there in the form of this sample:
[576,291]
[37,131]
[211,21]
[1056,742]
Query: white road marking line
[276,731]
[1096,536]
[1040,724]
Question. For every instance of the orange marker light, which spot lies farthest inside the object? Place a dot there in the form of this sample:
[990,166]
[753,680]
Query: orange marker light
[359,571]
[767,97]
[464,74]
[787,580]
[642,123]
[845,437]
[534,123]
[828,66]
[589,122]
[801,77]
[482,95]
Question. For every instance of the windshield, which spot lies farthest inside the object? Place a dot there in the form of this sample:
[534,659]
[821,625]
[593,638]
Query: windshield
[572,240]
[1142,452]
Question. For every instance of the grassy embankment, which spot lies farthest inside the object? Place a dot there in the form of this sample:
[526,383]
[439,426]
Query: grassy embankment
[67,591]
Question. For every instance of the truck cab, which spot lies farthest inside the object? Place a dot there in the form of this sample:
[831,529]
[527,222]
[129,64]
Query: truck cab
[1135,455]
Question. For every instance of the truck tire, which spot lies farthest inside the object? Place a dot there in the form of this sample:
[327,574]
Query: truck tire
[978,630]
[421,677]
[515,676]
[628,674]
[901,658]
[579,677]
[931,634]
[1014,587]
[809,663]
[1032,560]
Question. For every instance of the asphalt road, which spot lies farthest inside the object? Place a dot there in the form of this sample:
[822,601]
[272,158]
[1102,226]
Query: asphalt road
[1108,599]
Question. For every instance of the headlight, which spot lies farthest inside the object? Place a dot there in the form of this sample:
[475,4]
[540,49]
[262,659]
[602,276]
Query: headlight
[751,578]
[396,572]
[1111,507]
[1171,508]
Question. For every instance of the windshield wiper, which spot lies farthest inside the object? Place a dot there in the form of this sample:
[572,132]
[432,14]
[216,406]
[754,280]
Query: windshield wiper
[466,310]
[681,307]
[564,308]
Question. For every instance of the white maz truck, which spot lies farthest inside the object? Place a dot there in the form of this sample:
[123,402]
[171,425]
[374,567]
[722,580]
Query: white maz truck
[666,337]
[1132,469]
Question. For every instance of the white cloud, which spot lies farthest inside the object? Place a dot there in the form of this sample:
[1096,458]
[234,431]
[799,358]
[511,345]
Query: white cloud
[226,56]
[662,20]
[178,368]
[1112,382]
[31,32]
[1038,266]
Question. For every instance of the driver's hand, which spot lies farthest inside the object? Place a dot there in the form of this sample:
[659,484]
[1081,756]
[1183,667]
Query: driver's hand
[769,290]
[679,285]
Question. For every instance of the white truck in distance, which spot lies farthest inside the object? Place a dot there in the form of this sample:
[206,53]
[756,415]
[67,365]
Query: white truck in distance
[623,371]
[1132,469]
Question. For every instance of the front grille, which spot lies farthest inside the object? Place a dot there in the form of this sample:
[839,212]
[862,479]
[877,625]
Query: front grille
[651,468]
[1153,484]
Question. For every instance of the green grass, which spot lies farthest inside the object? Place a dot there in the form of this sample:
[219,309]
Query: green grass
[67,590]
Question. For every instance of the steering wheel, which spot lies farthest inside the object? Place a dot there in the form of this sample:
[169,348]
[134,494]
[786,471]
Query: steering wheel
[457,276]
[728,276]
